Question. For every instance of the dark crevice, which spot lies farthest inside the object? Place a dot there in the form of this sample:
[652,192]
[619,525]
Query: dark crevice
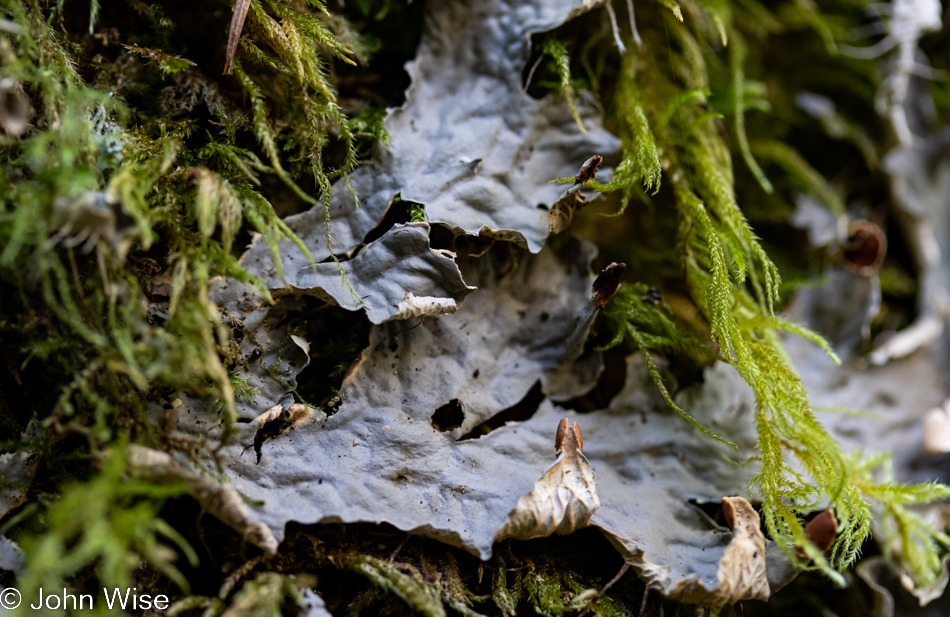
[398,213]
[270,430]
[449,416]
[338,338]
[609,384]
[441,238]
[519,412]
[711,509]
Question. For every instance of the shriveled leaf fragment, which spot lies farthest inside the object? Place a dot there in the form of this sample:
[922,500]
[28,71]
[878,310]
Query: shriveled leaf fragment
[379,279]
[220,500]
[563,499]
[822,529]
[234,33]
[741,570]
[467,144]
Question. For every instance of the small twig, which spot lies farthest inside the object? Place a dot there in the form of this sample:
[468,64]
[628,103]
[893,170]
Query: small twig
[398,548]
[534,67]
[643,605]
[75,271]
[613,581]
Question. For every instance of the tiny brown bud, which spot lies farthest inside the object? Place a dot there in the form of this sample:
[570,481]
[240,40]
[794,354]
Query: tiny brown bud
[568,437]
[607,284]
[822,529]
[589,169]
[865,248]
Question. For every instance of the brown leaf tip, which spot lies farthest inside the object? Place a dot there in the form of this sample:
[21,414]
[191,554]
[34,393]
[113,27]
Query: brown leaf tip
[822,529]
[738,509]
[607,284]
[589,169]
[568,437]
[729,512]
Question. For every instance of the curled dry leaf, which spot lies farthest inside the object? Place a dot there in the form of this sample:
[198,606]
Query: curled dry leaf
[822,530]
[563,211]
[741,572]
[607,284]
[234,33]
[563,499]
[589,169]
[423,307]
[221,500]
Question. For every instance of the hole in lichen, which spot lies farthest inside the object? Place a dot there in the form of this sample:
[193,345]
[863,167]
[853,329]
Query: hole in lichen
[269,431]
[337,338]
[399,212]
[519,412]
[449,416]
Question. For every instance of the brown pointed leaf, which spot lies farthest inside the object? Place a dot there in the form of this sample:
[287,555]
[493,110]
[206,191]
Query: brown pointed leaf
[562,500]
[234,34]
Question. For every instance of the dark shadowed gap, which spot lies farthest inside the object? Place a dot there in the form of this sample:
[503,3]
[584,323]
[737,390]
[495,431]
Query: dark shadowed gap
[337,338]
[398,213]
[519,412]
[449,416]
[609,384]
[712,510]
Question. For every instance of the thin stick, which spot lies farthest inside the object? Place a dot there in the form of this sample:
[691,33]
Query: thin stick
[398,548]
[613,581]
